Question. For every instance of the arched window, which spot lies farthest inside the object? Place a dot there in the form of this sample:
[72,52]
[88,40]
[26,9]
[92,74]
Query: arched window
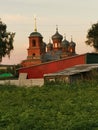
[33,55]
[34,43]
[56,45]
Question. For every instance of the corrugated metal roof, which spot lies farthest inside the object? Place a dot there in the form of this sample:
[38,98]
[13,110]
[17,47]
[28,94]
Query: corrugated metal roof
[74,70]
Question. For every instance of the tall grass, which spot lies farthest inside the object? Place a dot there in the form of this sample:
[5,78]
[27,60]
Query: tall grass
[51,107]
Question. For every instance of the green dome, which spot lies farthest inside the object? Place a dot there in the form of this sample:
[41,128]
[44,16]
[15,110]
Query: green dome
[35,34]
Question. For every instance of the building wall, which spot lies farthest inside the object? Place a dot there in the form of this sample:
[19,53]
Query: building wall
[30,62]
[91,58]
[38,71]
[24,82]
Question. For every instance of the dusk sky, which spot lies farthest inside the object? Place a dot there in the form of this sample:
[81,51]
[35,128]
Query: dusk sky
[73,17]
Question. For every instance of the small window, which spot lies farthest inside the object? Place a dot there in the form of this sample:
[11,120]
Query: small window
[33,55]
[56,45]
[33,43]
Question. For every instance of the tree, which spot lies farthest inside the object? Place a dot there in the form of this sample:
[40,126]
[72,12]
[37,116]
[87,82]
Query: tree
[92,36]
[6,41]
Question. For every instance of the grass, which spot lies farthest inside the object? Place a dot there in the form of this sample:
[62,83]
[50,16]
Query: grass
[51,107]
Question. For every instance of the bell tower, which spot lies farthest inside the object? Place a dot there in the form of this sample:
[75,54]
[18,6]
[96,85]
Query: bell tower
[34,50]
[35,40]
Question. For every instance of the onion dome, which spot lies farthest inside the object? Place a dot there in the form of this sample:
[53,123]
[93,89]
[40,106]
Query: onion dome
[72,44]
[57,35]
[43,47]
[43,44]
[49,45]
[65,43]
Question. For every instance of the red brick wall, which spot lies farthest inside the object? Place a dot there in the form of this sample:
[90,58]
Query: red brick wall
[38,71]
[29,63]
[35,49]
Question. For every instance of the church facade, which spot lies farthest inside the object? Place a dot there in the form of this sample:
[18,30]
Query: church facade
[40,52]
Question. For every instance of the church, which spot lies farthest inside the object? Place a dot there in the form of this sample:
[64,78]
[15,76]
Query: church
[53,57]
[40,52]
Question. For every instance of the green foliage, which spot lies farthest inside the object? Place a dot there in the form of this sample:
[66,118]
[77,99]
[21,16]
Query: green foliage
[6,41]
[51,107]
[92,36]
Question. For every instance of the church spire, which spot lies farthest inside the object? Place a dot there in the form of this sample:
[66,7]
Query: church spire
[35,27]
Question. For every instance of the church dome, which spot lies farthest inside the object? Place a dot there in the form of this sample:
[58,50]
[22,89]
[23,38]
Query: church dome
[43,47]
[65,43]
[57,35]
[35,34]
[50,45]
[44,44]
[72,44]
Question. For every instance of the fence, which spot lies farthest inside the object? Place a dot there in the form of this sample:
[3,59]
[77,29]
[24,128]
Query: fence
[24,82]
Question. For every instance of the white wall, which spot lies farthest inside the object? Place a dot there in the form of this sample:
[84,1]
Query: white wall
[24,82]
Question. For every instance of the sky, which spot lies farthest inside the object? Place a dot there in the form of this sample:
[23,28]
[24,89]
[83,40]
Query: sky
[73,17]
